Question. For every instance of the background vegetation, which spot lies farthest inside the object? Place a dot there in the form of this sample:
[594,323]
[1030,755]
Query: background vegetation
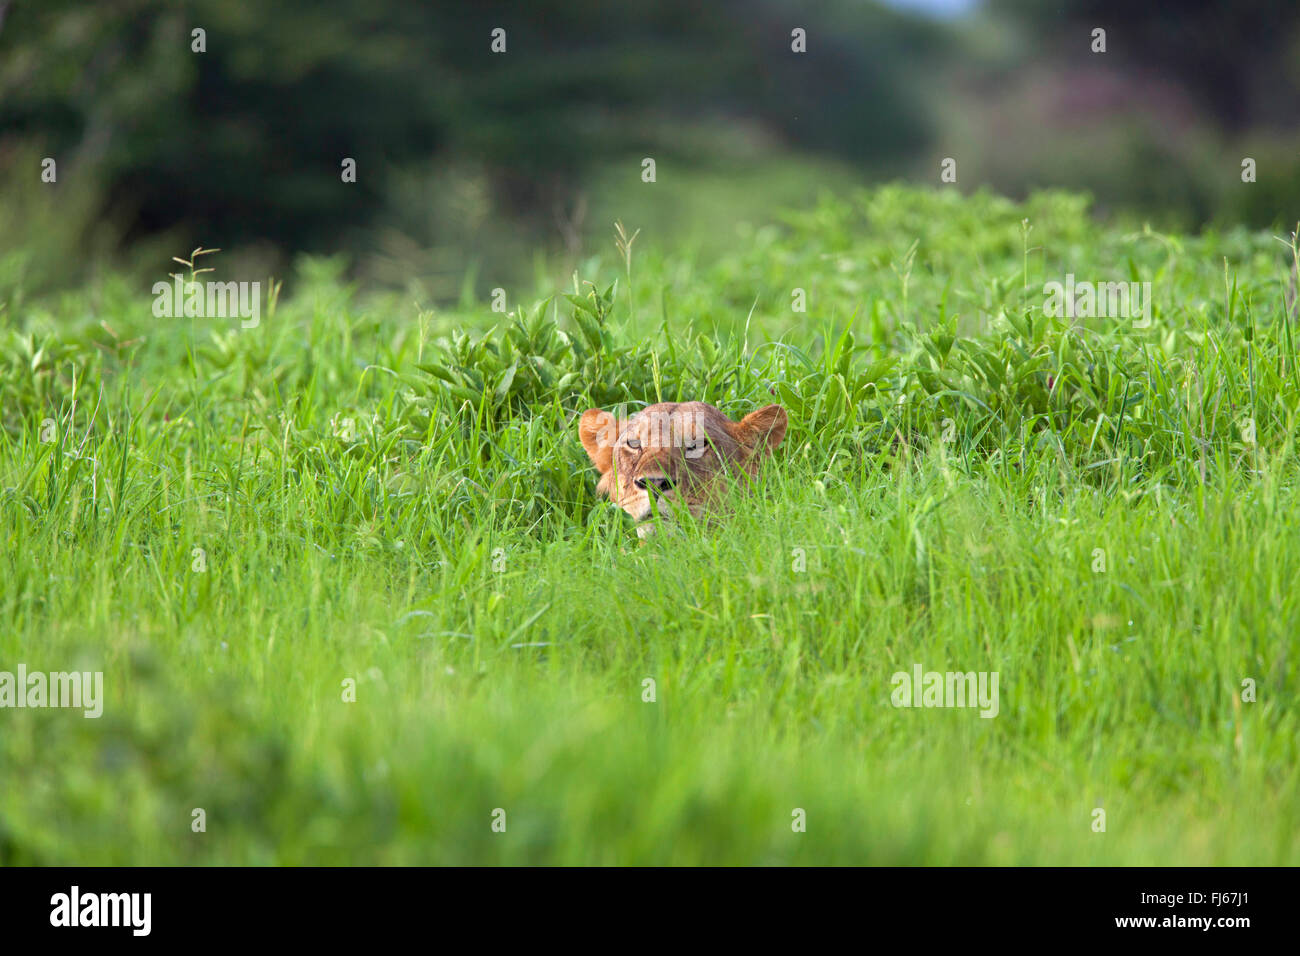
[471,164]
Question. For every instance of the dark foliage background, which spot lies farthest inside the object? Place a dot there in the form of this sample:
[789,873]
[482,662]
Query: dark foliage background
[469,159]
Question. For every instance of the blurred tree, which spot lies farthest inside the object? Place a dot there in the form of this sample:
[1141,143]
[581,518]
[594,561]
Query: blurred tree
[1241,59]
[247,137]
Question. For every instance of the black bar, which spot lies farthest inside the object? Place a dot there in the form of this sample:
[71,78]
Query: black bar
[332,906]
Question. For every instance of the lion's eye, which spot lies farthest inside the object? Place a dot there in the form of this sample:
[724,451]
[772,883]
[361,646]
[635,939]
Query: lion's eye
[695,448]
[634,443]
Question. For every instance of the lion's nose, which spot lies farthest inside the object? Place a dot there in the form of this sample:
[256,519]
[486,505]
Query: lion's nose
[659,483]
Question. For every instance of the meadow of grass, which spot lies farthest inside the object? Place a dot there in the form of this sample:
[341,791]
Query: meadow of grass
[243,527]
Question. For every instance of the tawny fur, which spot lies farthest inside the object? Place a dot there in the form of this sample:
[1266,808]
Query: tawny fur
[675,454]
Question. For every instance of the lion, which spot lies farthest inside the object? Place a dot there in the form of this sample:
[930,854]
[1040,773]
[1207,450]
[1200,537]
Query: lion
[675,455]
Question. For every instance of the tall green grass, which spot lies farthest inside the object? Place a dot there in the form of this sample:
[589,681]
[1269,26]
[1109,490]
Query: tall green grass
[231,523]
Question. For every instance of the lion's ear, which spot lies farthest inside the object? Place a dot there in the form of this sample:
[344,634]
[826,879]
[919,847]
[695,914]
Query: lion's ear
[762,430]
[598,431]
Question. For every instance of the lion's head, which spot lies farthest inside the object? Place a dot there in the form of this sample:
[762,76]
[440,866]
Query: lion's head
[672,455]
